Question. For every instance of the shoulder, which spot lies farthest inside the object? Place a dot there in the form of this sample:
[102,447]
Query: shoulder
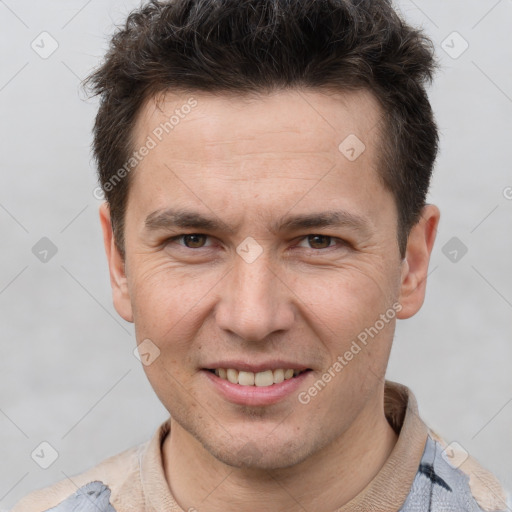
[114,480]
[448,478]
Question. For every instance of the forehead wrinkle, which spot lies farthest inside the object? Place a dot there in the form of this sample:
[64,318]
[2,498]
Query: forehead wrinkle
[261,167]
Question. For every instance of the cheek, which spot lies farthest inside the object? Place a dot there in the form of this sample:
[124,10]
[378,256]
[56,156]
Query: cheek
[345,312]
[345,297]
[167,299]
[170,301]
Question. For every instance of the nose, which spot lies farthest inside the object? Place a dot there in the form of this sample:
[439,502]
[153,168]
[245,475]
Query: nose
[255,301]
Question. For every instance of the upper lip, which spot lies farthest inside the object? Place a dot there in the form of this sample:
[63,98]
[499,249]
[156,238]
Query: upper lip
[255,368]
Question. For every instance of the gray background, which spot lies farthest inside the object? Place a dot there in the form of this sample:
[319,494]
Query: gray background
[68,373]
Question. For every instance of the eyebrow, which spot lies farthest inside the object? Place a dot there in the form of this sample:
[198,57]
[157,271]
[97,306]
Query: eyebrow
[185,219]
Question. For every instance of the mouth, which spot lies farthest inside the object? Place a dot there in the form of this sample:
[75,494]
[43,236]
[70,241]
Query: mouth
[265,378]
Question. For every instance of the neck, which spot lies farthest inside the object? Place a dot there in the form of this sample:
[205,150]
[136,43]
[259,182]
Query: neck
[326,481]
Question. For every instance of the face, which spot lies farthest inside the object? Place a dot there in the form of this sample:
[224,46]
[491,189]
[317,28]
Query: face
[254,243]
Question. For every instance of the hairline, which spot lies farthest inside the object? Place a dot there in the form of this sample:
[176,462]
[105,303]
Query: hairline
[383,136]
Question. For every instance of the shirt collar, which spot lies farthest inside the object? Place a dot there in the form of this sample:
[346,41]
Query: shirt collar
[386,492]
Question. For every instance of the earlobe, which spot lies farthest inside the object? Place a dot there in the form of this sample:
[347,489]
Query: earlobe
[116,264]
[415,265]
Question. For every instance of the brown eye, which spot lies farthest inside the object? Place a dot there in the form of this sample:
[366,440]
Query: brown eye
[194,240]
[319,241]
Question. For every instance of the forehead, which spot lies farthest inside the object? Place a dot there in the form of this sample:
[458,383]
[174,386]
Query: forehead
[269,146]
[317,119]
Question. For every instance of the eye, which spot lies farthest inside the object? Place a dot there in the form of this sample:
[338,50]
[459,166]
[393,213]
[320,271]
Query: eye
[191,241]
[321,241]
[316,241]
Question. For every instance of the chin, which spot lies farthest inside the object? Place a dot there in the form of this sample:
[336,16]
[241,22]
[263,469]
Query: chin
[260,454]
[262,445]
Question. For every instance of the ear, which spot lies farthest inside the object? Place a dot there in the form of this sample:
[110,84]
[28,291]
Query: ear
[116,264]
[415,264]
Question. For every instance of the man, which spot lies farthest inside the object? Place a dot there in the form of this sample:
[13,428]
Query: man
[265,166]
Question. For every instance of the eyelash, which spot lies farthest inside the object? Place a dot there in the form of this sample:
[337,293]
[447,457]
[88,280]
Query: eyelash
[342,242]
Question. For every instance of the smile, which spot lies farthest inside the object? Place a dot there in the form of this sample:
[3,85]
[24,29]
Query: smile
[260,379]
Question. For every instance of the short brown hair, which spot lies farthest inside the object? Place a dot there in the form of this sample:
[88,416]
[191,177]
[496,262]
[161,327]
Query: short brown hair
[254,46]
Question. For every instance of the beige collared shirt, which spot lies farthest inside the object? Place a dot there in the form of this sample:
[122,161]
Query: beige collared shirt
[418,475]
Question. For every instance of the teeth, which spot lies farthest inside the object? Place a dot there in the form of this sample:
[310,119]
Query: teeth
[260,379]
[246,378]
[232,376]
[278,376]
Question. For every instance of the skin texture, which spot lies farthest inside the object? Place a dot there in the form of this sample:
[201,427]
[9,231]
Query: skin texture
[248,162]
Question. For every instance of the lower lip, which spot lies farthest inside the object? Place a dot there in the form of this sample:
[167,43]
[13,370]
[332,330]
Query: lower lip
[255,395]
